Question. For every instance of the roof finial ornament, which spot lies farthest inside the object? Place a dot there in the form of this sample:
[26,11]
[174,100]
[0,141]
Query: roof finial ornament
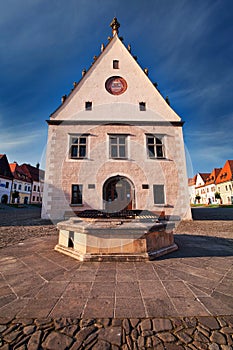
[115,26]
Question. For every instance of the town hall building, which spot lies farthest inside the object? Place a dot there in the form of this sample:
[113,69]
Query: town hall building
[114,143]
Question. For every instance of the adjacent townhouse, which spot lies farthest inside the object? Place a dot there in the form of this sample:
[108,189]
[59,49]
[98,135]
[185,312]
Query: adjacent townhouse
[37,178]
[22,185]
[224,183]
[5,180]
[210,187]
[201,193]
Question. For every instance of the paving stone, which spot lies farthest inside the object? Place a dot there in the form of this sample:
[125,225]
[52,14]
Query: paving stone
[129,342]
[2,328]
[199,336]
[134,334]
[34,341]
[226,347]
[168,346]
[10,337]
[209,322]
[217,337]
[90,340]
[70,330]
[190,322]
[145,325]
[200,346]
[84,333]
[160,325]
[101,345]
[5,347]
[167,337]
[134,322]
[29,329]
[104,322]
[155,341]
[214,346]
[141,342]
[184,337]
[112,335]
[116,322]
[56,341]
[227,330]
[126,326]
[61,322]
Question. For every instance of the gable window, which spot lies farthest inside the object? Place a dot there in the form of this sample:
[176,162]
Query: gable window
[78,148]
[115,64]
[118,146]
[155,147]
[142,106]
[77,197]
[88,106]
[159,197]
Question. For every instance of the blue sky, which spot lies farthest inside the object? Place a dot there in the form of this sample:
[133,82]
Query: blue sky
[186,44]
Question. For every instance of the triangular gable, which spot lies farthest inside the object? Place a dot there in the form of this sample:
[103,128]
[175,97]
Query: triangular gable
[226,173]
[92,88]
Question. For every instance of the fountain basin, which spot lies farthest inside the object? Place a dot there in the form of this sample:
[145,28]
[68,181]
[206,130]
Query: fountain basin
[114,240]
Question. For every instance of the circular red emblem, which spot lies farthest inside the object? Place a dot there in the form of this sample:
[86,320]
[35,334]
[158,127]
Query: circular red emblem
[116,85]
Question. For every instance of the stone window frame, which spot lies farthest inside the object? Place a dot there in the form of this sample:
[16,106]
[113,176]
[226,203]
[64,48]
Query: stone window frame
[118,146]
[78,145]
[158,145]
[88,105]
[142,106]
[76,194]
[159,198]
[115,64]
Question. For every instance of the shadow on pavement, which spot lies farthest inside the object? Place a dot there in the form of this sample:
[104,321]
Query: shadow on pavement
[200,246]
[204,213]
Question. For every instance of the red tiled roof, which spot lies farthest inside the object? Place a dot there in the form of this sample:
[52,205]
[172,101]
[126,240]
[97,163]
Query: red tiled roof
[226,173]
[213,176]
[19,173]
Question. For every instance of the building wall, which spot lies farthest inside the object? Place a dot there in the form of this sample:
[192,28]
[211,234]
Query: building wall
[37,192]
[5,189]
[98,167]
[19,186]
[226,191]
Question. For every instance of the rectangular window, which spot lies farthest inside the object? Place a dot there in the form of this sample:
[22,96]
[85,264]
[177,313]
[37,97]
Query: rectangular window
[159,197]
[88,106]
[7,184]
[117,145]
[34,188]
[33,198]
[77,194]
[142,106]
[38,188]
[37,198]
[115,64]
[20,187]
[155,147]
[25,188]
[78,147]
[15,186]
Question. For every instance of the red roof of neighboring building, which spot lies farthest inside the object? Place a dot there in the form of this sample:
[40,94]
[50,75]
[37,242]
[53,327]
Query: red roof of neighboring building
[34,173]
[213,176]
[19,173]
[226,173]
[192,181]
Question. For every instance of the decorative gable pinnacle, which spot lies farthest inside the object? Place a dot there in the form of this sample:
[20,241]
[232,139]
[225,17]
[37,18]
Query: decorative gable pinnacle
[115,25]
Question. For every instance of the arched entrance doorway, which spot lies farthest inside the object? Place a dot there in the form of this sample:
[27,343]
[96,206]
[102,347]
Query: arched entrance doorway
[118,194]
[4,199]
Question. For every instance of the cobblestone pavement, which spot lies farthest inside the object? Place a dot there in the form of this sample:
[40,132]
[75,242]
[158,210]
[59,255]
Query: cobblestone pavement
[213,333]
[51,301]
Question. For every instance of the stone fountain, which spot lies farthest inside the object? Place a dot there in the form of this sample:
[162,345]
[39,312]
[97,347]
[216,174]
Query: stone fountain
[115,238]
